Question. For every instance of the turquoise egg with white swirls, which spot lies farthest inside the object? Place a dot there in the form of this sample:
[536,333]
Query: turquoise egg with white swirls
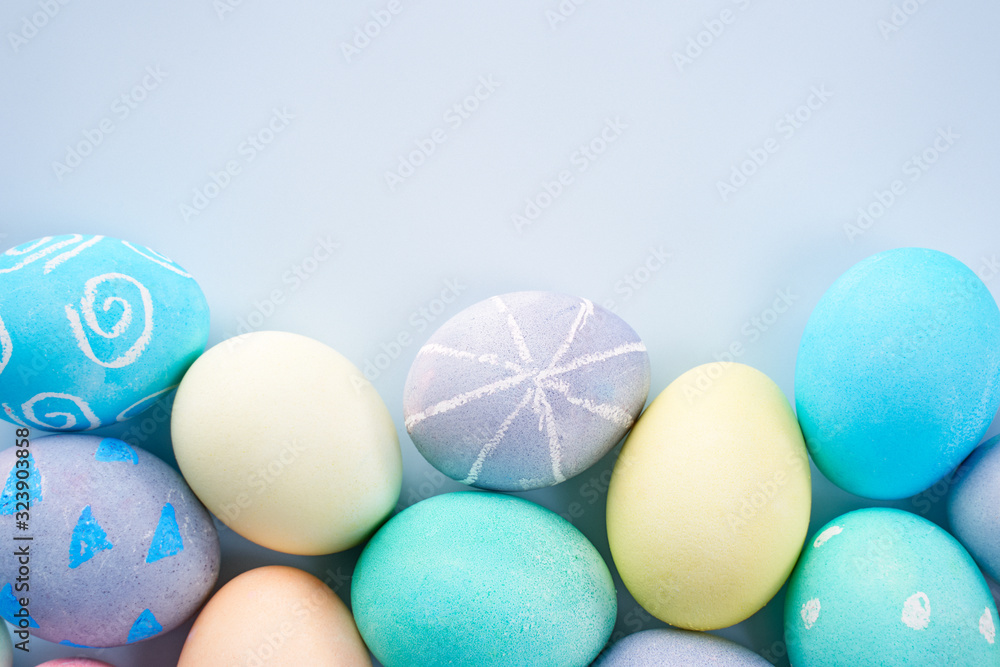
[93,330]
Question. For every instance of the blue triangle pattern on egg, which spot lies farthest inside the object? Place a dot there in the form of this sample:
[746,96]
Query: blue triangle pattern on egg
[67,642]
[8,498]
[145,626]
[167,538]
[10,606]
[87,540]
[113,449]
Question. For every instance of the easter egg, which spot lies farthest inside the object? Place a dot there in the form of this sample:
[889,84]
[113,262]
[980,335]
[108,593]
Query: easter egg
[276,616]
[287,443]
[668,647]
[74,662]
[973,503]
[482,579]
[116,547]
[898,372]
[708,504]
[93,330]
[883,587]
[525,390]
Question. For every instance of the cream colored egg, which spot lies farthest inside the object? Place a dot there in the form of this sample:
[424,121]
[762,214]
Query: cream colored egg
[709,501]
[276,616]
[287,443]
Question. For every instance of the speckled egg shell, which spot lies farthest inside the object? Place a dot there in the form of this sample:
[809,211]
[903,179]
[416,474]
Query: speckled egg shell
[275,616]
[525,390]
[287,443]
[121,549]
[667,647]
[880,587]
[898,372]
[482,579]
[93,330]
[973,505]
[709,500]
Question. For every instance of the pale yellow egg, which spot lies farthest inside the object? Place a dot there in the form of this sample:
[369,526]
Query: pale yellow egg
[709,501]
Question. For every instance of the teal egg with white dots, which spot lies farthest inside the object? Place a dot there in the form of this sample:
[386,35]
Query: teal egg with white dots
[93,330]
[881,587]
[106,544]
[482,579]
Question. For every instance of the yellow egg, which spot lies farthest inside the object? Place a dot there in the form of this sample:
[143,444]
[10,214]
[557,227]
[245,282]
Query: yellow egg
[276,616]
[709,501]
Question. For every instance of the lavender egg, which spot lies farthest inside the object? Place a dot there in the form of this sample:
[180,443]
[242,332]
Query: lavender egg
[108,546]
[525,390]
[667,647]
[972,506]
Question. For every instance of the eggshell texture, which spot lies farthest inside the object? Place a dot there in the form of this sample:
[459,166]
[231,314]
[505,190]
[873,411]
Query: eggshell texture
[482,579]
[882,587]
[898,372]
[6,648]
[973,503]
[93,330]
[667,647]
[121,550]
[287,443]
[709,500]
[525,390]
[276,616]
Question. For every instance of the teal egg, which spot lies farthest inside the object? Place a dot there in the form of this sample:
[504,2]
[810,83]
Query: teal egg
[881,587]
[482,579]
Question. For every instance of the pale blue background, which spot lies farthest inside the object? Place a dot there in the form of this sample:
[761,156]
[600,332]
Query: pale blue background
[655,186]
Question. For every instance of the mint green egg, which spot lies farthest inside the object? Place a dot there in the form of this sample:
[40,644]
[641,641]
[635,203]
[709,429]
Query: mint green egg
[482,579]
[881,587]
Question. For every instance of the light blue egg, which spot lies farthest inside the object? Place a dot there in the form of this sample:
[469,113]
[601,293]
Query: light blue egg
[118,549]
[525,390]
[974,506]
[881,587]
[93,330]
[898,372]
[481,580]
[669,647]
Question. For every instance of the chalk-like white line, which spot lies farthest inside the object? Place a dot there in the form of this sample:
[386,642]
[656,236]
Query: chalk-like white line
[87,306]
[159,259]
[488,359]
[462,399]
[515,330]
[547,422]
[6,344]
[612,413]
[69,254]
[14,418]
[593,358]
[586,310]
[488,448]
[123,415]
[29,411]
[48,250]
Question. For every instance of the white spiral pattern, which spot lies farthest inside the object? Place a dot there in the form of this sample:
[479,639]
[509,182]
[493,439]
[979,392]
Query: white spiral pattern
[6,346]
[123,323]
[142,404]
[35,256]
[158,258]
[70,418]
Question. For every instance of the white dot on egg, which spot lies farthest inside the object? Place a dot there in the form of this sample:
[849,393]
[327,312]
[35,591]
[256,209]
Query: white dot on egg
[917,611]
[986,627]
[810,612]
[826,535]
